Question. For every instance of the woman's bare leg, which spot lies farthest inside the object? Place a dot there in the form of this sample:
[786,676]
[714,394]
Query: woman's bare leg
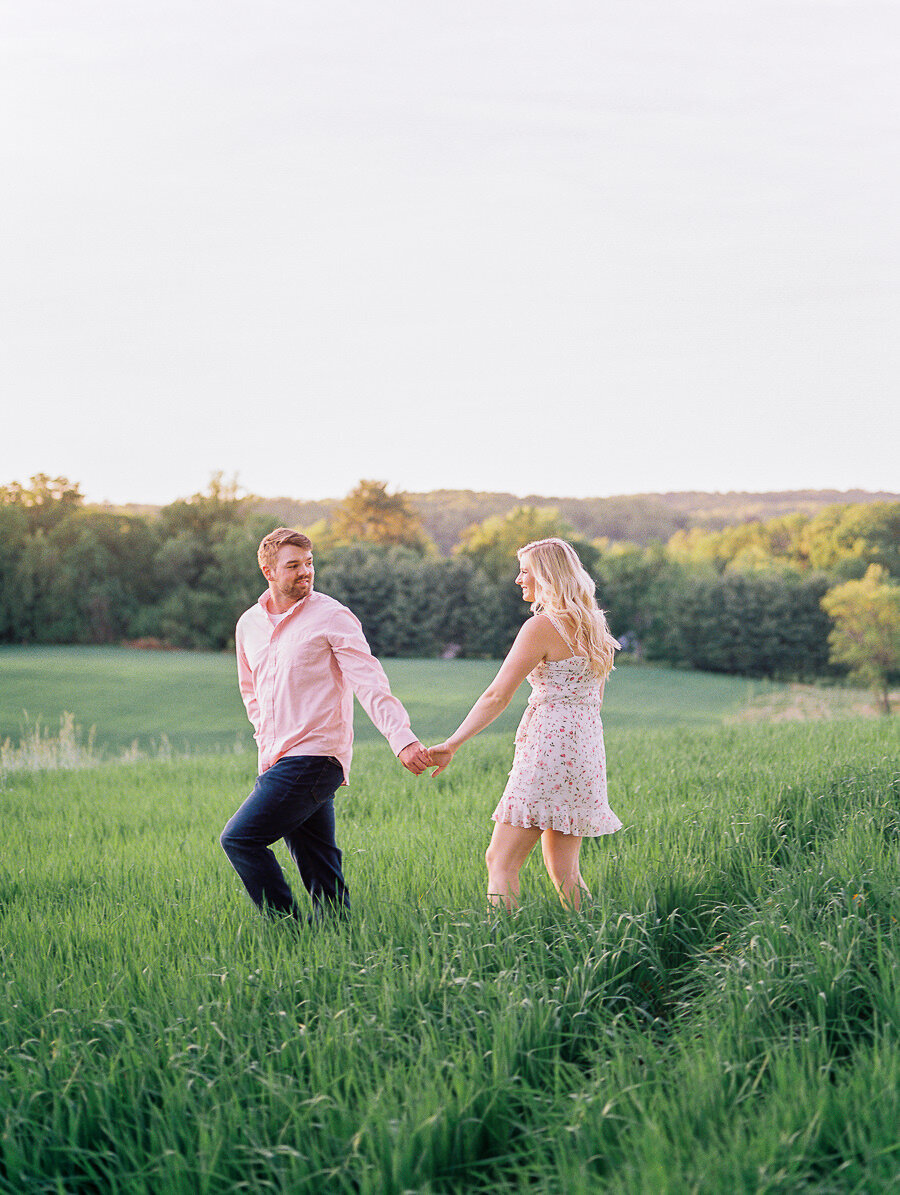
[561,856]
[510,846]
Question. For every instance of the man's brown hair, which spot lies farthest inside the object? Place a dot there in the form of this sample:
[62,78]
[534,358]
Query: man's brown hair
[270,545]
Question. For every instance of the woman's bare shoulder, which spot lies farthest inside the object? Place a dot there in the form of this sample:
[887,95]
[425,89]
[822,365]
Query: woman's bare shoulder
[546,634]
[538,624]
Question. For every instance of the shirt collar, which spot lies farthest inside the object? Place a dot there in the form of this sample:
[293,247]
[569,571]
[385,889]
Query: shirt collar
[265,601]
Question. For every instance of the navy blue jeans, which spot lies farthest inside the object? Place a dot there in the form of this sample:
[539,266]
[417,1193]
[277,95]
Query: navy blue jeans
[293,800]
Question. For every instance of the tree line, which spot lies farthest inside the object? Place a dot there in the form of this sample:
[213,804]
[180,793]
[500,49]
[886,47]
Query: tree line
[757,599]
[641,519]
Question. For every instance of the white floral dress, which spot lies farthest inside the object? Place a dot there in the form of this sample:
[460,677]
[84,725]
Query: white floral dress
[558,777]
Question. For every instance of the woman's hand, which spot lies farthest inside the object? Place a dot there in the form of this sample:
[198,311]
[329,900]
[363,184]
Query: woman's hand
[439,757]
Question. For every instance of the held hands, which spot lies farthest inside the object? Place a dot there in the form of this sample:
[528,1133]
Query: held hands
[439,757]
[416,758]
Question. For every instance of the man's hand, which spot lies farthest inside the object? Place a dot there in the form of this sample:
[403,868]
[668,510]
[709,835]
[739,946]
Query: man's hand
[414,758]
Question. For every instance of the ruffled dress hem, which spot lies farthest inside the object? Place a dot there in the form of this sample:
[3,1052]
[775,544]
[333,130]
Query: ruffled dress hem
[555,821]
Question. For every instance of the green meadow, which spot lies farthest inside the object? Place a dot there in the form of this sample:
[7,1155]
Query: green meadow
[190,699]
[724,1016]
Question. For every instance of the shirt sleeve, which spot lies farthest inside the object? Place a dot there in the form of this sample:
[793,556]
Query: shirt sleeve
[368,680]
[245,684]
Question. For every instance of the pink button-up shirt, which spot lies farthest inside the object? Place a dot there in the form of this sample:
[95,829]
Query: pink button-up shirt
[297,680]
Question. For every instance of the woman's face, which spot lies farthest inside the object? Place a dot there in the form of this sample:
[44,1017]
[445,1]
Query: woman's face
[525,580]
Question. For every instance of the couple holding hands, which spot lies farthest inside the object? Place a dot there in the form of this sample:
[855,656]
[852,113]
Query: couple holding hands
[301,656]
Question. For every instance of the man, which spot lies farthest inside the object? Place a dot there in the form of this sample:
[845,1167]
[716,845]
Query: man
[301,656]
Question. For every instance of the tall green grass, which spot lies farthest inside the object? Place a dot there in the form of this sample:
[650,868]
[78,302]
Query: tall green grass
[723,1016]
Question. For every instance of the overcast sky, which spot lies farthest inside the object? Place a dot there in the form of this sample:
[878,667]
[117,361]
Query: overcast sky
[571,247]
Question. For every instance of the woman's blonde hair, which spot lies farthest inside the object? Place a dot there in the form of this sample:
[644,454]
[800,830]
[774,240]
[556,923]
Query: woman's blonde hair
[564,590]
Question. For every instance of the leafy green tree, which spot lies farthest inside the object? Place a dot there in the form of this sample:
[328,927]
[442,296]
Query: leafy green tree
[46,500]
[369,514]
[85,580]
[205,515]
[492,544]
[470,610]
[842,539]
[846,539]
[746,547]
[205,570]
[13,535]
[698,547]
[205,585]
[866,633]
[46,614]
[68,574]
[35,602]
[748,624]
[634,587]
[410,605]
[106,560]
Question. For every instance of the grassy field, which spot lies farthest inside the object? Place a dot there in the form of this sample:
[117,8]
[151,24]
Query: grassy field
[724,1017]
[191,700]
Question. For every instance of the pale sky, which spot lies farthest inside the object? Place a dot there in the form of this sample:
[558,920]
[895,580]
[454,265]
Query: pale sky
[570,247]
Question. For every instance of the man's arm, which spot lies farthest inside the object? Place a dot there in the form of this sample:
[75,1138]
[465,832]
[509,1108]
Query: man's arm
[369,682]
[246,686]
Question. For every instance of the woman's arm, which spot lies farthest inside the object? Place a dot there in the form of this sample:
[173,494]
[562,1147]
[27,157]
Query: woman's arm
[532,643]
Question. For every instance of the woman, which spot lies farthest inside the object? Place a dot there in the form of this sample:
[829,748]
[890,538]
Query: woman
[557,787]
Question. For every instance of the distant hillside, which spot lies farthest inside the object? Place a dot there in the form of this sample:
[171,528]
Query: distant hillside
[295,512]
[633,518]
[722,510]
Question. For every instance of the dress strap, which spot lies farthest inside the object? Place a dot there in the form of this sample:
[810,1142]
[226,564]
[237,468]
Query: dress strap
[565,637]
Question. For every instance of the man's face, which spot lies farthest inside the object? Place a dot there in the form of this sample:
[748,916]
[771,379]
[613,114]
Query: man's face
[292,576]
